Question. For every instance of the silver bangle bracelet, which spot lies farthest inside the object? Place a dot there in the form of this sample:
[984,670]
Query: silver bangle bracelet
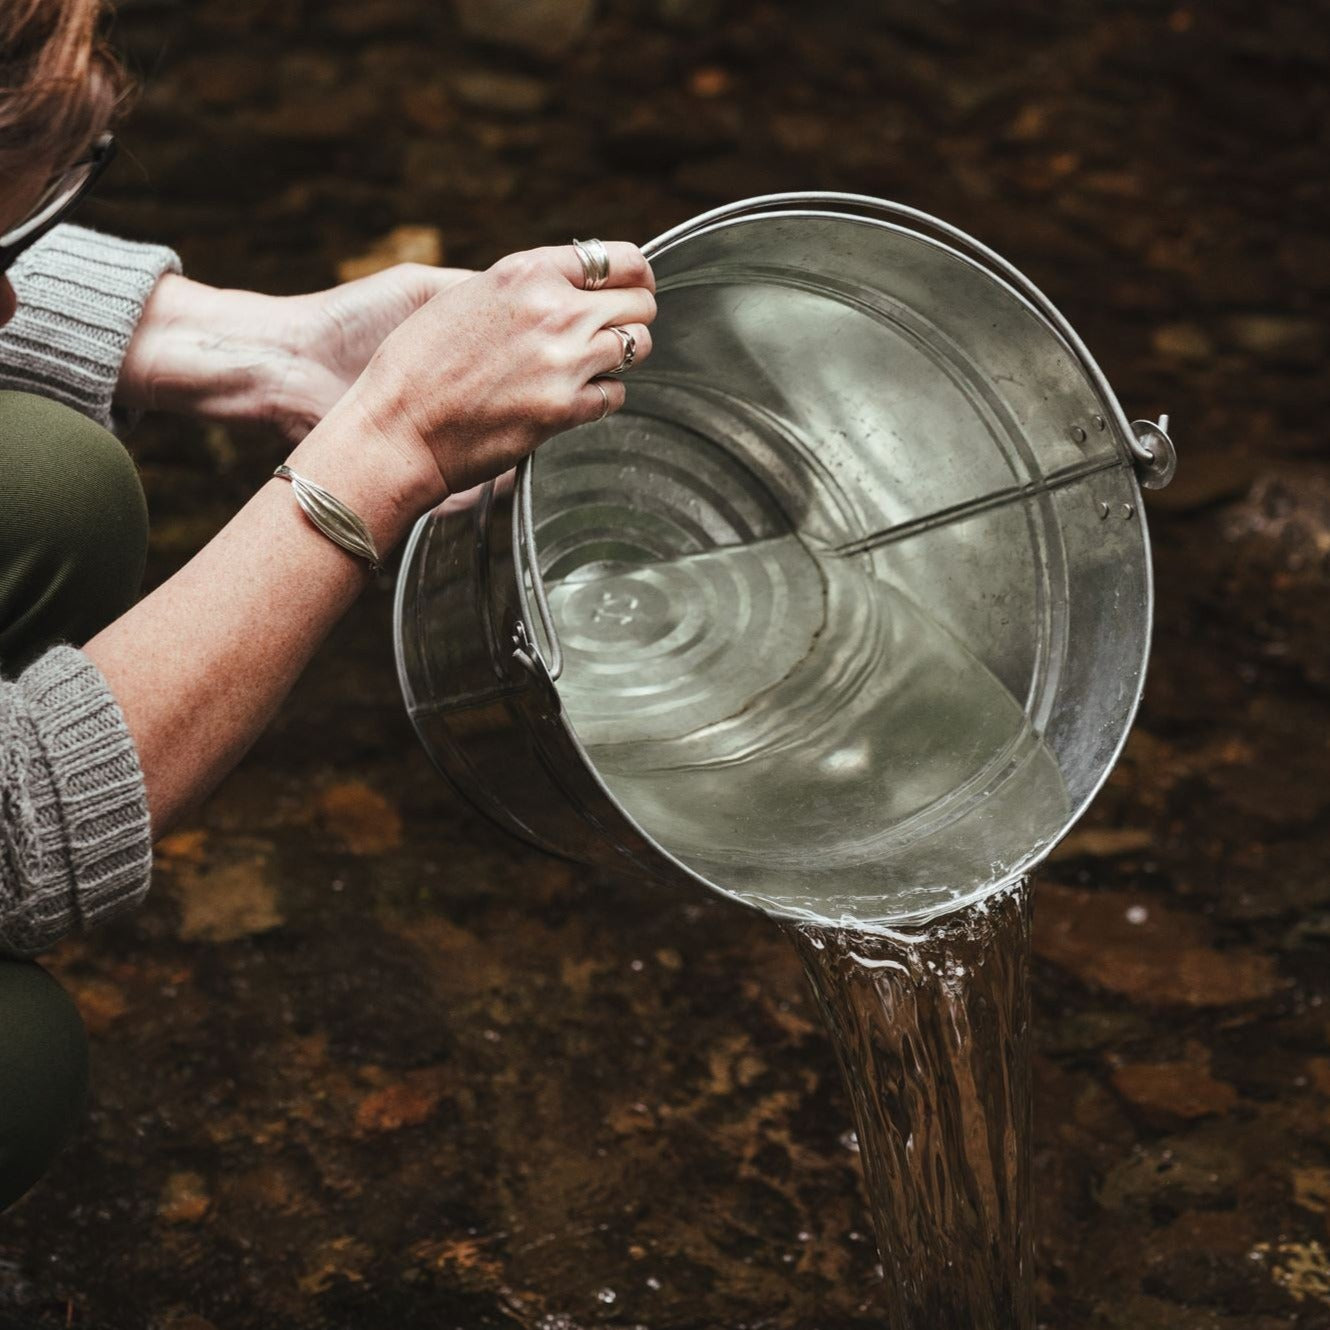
[331,516]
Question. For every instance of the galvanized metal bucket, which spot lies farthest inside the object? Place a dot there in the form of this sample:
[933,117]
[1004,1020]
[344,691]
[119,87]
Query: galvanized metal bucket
[845,615]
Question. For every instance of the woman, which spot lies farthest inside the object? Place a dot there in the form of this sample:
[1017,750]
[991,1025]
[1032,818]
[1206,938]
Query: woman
[397,391]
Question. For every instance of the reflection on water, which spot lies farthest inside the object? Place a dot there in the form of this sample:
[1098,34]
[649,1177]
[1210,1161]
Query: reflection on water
[797,730]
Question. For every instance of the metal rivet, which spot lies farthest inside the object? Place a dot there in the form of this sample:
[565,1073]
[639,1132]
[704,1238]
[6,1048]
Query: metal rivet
[1100,422]
[1104,511]
[1078,434]
[1128,512]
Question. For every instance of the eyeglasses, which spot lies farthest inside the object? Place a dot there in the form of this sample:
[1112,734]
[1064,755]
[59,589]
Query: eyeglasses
[62,196]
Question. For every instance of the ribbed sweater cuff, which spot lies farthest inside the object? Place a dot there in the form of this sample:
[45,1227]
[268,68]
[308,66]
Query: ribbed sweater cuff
[90,849]
[80,297]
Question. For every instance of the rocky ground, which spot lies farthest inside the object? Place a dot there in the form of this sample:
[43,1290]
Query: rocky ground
[363,1061]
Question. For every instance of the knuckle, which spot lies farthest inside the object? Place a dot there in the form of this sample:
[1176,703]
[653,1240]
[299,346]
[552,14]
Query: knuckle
[515,268]
[543,307]
[550,358]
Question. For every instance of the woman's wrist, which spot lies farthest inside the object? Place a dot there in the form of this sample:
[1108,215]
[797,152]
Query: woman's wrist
[385,482]
[202,351]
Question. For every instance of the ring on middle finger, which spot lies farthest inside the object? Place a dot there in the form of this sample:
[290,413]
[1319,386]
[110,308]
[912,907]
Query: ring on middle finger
[629,350]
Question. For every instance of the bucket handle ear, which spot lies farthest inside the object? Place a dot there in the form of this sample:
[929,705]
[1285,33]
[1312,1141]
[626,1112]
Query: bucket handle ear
[528,651]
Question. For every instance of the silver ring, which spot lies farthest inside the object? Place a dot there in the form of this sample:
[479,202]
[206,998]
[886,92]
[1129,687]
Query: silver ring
[629,350]
[595,261]
[604,401]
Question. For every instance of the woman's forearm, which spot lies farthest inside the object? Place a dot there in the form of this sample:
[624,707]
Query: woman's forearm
[200,665]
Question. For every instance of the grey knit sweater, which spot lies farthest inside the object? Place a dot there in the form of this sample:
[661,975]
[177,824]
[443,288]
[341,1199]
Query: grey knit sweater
[75,842]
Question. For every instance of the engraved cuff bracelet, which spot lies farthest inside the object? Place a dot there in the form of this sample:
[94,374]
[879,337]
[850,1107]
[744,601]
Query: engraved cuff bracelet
[331,516]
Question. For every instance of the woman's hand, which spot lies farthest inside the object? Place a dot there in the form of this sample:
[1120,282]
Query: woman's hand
[493,366]
[280,361]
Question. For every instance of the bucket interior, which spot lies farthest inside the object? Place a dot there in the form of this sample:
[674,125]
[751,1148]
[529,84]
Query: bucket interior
[846,630]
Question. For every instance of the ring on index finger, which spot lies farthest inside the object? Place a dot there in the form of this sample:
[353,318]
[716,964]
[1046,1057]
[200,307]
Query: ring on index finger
[595,261]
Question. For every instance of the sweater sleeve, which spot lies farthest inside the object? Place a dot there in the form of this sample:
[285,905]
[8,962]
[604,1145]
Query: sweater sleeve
[80,296]
[75,838]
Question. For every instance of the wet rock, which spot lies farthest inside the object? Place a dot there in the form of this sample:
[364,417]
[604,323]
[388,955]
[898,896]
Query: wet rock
[365,18]
[1280,338]
[1301,1268]
[100,1002]
[360,818]
[666,132]
[404,1103]
[1198,1278]
[403,244]
[223,901]
[1176,1172]
[710,81]
[343,1258]
[1165,1093]
[1085,1031]
[1103,843]
[1311,1189]
[1222,475]
[545,28]
[184,1199]
[508,94]
[1182,341]
[322,114]
[428,106]
[1133,945]
[1133,1311]
[186,846]
[180,1319]
[1280,777]
[691,14]
[220,79]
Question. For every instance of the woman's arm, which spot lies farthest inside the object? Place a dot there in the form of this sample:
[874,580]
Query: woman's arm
[231,355]
[476,379]
[200,665]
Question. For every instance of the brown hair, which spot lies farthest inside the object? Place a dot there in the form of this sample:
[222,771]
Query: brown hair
[60,86]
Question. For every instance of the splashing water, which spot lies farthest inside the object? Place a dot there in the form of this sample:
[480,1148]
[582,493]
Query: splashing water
[931,1028]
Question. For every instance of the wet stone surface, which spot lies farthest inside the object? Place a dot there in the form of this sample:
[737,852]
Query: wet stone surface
[362,1061]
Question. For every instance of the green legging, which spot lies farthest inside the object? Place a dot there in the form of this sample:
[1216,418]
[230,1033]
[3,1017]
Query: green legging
[73,535]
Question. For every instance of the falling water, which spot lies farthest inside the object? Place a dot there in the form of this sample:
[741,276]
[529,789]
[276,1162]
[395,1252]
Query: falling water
[931,1028]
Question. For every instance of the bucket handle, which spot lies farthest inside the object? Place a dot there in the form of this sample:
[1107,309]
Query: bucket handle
[527,650]
[1148,442]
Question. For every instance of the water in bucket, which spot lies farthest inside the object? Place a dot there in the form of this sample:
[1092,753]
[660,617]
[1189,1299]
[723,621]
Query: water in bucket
[794,726]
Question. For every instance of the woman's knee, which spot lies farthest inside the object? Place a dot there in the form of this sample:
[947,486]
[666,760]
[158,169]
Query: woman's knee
[73,526]
[43,1074]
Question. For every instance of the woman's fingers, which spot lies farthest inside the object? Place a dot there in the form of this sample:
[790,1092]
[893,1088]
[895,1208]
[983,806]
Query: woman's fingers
[597,399]
[628,265]
[633,304]
[607,350]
